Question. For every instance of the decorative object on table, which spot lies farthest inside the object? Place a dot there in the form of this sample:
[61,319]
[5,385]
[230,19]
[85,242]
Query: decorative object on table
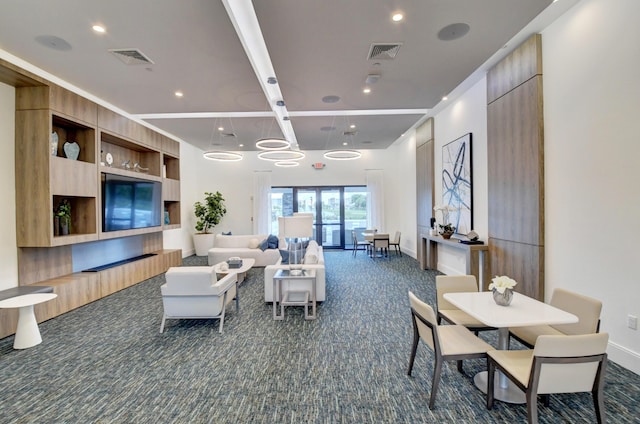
[473,238]
[54,144]
[71,150]
[208,215]
[294,229]
[109,158]
[126,164]
[234,262]
[446,228]
[457,182]
[63,213]
[502,288]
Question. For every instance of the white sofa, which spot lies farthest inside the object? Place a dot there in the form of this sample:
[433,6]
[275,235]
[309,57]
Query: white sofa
[270,271]
[242,246]
[194,292]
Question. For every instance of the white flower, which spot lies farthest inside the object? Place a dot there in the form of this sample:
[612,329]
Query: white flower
[444,209]
[502,283]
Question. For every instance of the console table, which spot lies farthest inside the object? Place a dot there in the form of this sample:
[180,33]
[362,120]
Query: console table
[476,256]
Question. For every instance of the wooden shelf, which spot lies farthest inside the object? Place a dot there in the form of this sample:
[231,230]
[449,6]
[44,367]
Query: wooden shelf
[126,151]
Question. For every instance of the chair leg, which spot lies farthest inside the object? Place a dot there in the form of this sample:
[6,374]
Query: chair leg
[414,348]
[164,318]
[437,370]
[460,366]
[545,399]
[532,406]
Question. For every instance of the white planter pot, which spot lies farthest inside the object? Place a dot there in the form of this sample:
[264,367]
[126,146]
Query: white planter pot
[202,243]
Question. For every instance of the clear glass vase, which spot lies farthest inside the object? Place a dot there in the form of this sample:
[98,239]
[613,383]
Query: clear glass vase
[503,299]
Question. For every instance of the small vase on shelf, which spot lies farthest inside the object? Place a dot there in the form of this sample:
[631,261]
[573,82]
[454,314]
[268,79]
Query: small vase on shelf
[503,299]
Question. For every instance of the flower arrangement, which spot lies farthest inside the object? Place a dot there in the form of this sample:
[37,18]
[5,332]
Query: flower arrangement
[502,283]
[445,227]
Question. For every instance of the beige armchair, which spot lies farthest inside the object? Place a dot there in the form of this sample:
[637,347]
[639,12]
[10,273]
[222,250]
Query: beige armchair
[194,292]
[448,342]
[585,308]
[557,364]
[449,312]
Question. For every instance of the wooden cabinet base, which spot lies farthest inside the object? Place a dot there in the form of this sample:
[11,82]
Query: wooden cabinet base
[81,288]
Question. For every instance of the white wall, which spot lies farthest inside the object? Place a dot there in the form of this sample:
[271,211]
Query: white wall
[235,181]
[8,251]
[591,59]
[467,114]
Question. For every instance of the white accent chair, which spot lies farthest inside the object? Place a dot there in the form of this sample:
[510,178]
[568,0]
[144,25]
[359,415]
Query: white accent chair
[195,292]
[587,310]
[557,364]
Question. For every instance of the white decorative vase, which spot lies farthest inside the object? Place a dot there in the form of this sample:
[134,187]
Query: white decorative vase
[202,243]
[503,299]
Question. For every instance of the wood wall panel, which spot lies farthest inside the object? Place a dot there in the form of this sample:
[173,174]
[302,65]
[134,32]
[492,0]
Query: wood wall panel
[29,98]
[171,146]
[515,162]
[73,178]
[521,65]
[37,264]
[424,182]
[515,165]
[172,257]
[522,262]
[171,190]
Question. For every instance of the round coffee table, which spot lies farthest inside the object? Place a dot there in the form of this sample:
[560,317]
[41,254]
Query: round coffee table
[247,263]
[27,332]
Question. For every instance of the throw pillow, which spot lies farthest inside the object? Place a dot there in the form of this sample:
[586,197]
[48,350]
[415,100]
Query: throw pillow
[285,256]
[272,241]
[311,258]
[254,243]
[226,234]
[264,244]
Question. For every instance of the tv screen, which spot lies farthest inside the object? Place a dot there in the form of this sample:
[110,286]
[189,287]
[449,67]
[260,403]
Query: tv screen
[129,203]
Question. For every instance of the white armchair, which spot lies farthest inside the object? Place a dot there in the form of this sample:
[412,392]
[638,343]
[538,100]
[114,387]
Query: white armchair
[195,293]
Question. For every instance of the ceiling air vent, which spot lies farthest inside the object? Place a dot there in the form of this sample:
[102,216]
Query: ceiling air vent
[384,51]
[229,135]
[350,133]
[131,56]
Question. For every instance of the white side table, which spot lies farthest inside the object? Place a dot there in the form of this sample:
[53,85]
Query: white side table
[292,297]
[27,332]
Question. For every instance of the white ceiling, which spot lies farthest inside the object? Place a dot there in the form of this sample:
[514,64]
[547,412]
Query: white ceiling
[211,51]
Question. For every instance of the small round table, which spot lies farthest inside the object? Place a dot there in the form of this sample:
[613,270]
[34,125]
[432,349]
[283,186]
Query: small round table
[27,332]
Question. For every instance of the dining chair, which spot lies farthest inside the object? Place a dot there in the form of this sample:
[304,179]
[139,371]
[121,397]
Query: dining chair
[587,310]
[557,364]
[451,313]
[395,243]
[380,241]
[448,342]
[357,243]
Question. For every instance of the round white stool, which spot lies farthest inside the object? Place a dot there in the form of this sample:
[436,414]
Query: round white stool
[27,332]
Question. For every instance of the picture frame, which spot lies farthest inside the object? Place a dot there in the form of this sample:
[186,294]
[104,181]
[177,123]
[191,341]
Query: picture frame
[457,182]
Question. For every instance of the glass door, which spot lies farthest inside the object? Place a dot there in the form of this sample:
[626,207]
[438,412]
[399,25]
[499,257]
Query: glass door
[326,206]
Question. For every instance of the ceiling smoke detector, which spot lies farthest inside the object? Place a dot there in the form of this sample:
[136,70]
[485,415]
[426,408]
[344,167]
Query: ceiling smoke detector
[372,78]
[384,51]
[131,56]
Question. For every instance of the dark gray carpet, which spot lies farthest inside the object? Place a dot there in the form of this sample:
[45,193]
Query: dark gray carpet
[107,362]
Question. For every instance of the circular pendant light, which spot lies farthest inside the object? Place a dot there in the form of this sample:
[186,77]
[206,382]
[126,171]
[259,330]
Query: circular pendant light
[222,156]
[287,164]
[281,155]
[272,144]
[342,154]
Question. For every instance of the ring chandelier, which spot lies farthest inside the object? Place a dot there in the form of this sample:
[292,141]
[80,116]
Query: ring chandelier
[342,154]
[281,155]
[222,156]
[287,164]
[271,144]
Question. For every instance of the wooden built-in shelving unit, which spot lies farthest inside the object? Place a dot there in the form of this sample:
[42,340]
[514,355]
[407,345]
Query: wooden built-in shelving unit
[45,178]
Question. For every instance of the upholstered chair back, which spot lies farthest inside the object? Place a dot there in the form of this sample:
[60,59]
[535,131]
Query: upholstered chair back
[585,308]
[426,312]
[453,284]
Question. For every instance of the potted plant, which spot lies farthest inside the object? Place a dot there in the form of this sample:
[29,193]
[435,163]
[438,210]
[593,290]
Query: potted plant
[446,228]
[63,215]
[208,214]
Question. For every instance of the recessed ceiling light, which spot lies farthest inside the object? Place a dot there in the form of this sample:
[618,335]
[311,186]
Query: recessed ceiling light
[445,98]
[366,90]
[99,28]
[179,93]
[240,145]
[352,126]
[220,128]
[344,143]
[397,17]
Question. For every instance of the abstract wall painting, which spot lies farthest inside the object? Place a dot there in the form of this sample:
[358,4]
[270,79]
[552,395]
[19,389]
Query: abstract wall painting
[457,183]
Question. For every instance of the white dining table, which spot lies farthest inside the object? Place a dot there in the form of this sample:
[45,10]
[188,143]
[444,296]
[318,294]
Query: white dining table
[523,311]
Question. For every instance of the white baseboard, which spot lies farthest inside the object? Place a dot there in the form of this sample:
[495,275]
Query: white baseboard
[624,357]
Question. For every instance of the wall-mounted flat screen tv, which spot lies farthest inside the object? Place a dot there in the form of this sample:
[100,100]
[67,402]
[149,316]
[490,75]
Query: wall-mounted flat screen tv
[129,203]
